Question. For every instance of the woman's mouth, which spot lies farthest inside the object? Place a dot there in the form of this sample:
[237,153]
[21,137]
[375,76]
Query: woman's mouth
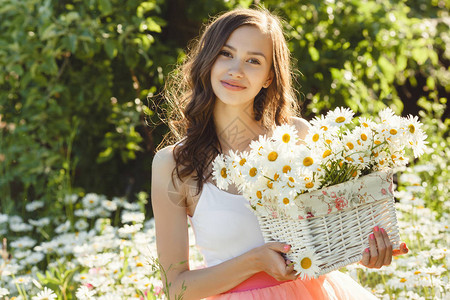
[232,85]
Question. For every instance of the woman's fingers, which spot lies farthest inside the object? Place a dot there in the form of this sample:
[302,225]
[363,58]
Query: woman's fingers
[373,251]
[381,247]
[388,244]
[366,257]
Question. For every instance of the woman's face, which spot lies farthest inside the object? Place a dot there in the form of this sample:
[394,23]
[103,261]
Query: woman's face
[243,66]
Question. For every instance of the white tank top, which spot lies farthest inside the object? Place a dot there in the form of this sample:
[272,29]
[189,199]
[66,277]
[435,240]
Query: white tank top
[224,225]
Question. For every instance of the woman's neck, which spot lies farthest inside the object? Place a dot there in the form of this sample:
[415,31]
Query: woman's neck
[236,126]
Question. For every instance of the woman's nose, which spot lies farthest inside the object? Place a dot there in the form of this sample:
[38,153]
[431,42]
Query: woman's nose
[235,70]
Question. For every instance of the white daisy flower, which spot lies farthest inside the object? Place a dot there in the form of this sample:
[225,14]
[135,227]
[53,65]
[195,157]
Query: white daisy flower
[133,217]
[32,206]
[23,242]
[308,160]
[84,293]
[39,223]
[339,116]
[367,123]
[3,292]
[91,200]
[221,172]
[307,264]
[315,137]
[285,135]
[109,205]
[386,114]
[46,294]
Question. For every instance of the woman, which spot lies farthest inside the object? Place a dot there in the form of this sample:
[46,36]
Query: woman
[235,86]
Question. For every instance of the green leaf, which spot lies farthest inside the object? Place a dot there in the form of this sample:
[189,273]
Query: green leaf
[105,7]
[420,55]
[431,83]
[110,48]
[387,68]
[314,53]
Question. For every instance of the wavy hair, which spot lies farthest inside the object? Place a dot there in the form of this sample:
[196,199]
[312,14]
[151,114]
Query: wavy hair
[191,99]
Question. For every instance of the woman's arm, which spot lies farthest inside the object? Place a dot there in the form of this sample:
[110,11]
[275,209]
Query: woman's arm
[169,208]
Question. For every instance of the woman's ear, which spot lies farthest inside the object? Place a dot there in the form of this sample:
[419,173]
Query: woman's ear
[269,80]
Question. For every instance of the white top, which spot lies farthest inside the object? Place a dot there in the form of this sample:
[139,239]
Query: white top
[224,225]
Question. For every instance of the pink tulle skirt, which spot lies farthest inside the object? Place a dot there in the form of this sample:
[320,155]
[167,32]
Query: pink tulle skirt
[332,286]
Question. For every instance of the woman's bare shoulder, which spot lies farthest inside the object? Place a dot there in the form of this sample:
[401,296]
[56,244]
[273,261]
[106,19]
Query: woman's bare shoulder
[301,125]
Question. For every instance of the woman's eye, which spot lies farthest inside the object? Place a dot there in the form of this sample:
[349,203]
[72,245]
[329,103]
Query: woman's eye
[225,53]
[254,61]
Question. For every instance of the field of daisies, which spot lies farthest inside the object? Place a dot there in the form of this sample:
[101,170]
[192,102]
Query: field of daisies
[100,248]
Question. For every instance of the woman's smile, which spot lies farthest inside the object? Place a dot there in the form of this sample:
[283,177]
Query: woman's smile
[232,85]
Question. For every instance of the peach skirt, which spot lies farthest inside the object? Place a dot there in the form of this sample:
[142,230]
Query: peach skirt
[332,286]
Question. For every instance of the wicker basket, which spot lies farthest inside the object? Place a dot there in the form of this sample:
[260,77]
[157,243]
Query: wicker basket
[339,233]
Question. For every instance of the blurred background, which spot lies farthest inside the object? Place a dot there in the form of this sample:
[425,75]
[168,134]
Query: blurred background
[80,81]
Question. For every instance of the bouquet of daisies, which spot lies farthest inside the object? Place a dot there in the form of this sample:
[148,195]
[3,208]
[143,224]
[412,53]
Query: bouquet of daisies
[281,173]
[337,149]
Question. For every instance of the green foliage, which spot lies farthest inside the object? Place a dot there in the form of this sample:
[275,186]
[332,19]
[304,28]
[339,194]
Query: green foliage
[73,74]
[368,54]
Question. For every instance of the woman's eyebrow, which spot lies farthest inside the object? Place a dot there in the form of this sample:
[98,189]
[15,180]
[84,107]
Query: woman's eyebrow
[249,52]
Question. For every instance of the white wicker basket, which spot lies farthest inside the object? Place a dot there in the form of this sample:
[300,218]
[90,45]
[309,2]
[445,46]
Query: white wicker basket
[339,233]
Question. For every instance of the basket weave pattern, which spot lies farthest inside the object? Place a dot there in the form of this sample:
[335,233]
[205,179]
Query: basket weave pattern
[338,238]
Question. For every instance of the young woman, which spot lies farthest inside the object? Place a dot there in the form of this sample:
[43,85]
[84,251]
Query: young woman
[235,86]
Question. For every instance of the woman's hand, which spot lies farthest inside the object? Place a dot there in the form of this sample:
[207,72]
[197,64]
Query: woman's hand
[268,259]
[380,251]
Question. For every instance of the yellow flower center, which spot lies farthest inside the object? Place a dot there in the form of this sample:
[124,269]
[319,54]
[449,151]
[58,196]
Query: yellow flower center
[326,153]
[328,141]
[309,185]
[286,138]
[324,128]
[365,124]
[276,176]
[242,161]
[252,172]
[349,158]
[340,119]
[286,201]
[272,156]
[286,169]
[354,173]
[315,137]
[308,161]
[411,127]
[417,272]
[393,156]
[223,172]
[306,263]
[139,264]
[269,184]
[375,154]
[377,142]
[259,194]
[403,280]
[393,131]
[363,137]
[350,145]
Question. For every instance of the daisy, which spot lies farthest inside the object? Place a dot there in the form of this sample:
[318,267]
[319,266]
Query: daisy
[307,159]
[221,172]
[285,135]
[386,114]
[91,200]
[307,264]
[339,116]
[367,123]
[315,137]
[46,294]
[3,292]
[84,293]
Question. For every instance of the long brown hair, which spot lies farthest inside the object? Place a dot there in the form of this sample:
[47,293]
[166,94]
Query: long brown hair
[191,98]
